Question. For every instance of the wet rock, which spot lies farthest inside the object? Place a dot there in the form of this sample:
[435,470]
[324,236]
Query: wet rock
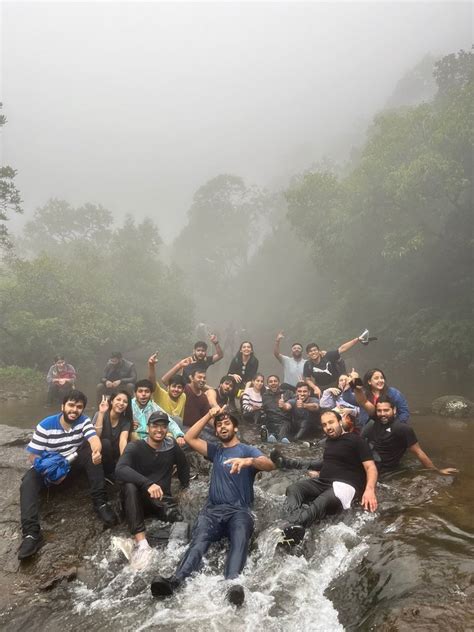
[66,575]
[453,406]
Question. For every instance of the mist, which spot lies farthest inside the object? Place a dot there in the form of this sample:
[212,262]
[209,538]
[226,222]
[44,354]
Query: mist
[134,106]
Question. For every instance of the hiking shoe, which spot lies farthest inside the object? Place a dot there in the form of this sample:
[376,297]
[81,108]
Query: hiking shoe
[285,440]
[173,515]
[271,439]
[291,536]
[162,587]
[236,595]
[277,457]
[263,433]
[106,514]
[141,556]
[29,546]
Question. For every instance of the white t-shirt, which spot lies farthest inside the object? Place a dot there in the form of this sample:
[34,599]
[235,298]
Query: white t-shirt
[292,370]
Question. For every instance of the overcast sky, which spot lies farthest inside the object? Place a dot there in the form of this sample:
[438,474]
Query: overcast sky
[134,106]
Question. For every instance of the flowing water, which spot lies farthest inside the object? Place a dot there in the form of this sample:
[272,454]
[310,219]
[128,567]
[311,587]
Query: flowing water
[407,567]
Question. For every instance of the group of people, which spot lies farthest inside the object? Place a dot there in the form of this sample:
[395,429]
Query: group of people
[144,432]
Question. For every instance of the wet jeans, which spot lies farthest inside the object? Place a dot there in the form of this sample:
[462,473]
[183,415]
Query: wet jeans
[310,500]
[138,502]
[214,523]
[32,483]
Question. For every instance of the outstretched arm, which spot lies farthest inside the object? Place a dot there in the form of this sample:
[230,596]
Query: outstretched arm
[261,463]
[427,462]
[152,362]
[348,345]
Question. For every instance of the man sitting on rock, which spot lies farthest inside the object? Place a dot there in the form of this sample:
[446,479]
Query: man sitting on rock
[60,379]
[118,374]
[70,434]
[347,471]
[390,439]
[146,468]
[304,411]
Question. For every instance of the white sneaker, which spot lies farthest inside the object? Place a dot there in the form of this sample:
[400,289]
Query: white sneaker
[141,557]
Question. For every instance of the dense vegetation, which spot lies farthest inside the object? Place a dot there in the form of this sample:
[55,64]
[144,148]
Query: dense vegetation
[383,240]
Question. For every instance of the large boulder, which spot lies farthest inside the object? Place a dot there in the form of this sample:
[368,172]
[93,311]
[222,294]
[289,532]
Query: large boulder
[453,406]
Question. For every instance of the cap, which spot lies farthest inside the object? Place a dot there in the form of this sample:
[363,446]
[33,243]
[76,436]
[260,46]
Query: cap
[159,415]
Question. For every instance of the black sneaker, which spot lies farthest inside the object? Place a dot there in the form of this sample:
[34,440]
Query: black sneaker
[29,546]
[236,595]
[277,457]
[263,433]
[292,535]
[162,587]
[106,514]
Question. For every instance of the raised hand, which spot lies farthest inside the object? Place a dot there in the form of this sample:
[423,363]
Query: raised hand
[213,338]
[153,359]
[104,404]
[280,335]
[186,362]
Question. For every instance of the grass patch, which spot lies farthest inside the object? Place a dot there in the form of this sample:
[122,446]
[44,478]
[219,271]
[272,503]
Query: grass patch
[15,378]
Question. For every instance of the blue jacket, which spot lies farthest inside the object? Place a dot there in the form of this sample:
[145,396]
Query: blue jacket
[403,413]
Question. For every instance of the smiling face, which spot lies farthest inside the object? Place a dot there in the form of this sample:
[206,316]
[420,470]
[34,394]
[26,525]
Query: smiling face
[331,426]
[385,412]
[258,383]
[314,354]
[72,410]
[175,391]
[198,380]
[225,429]
[302,393]
[246,349]
[377,381]
[157,431]
[143,396]
[119,403]
[273,383]
[297,351]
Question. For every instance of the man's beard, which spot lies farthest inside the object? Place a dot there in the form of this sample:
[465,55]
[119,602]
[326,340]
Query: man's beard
[228,438]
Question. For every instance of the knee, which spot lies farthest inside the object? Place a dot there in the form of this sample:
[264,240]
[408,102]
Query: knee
[130,490]
[31,478]
[292,490]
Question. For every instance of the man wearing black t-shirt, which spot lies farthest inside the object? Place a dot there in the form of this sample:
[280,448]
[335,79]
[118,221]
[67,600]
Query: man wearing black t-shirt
[200,359]
[346,471]
[390,439]
[324,367]
[146,468]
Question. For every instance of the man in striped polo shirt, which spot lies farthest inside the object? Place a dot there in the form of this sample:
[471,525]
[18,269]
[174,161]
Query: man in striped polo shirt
[71,434]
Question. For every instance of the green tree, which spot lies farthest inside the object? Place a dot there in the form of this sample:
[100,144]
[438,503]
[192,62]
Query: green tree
[10,199]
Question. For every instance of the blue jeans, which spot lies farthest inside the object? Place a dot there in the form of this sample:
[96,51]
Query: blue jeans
[214,523]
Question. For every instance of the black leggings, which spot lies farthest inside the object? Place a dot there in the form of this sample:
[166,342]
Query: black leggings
[138,503]
[310,500]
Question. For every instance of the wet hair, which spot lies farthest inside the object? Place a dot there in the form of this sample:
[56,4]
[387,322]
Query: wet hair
[200,344]
[301,384]
[75,396]
[58,357]
[232,418]
[311,345]
[227,378]
[144,384]
[116,355]
[386,400]
[333,412]
[197,370]
[127,413]
[368,391]
[272,375]
[177,379]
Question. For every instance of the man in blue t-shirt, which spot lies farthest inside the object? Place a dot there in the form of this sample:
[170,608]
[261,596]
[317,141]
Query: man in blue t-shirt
[227,512]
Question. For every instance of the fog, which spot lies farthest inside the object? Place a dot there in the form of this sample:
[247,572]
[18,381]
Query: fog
[134,106]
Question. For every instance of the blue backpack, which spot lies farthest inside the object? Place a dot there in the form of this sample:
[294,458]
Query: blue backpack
[52,466]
